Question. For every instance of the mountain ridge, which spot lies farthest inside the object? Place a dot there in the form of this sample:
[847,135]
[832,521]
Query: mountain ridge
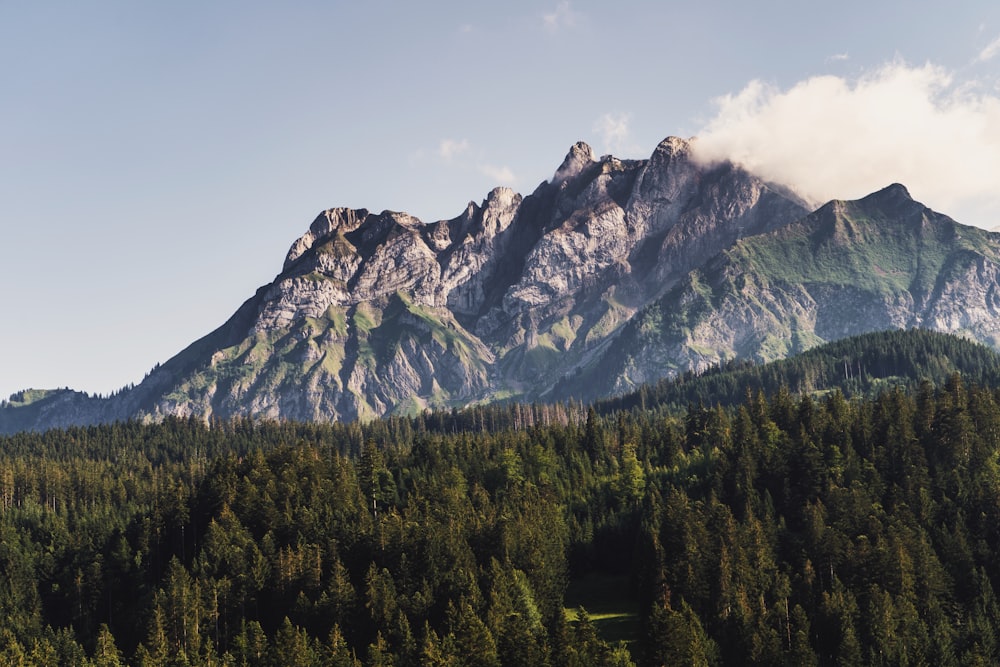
[612,274]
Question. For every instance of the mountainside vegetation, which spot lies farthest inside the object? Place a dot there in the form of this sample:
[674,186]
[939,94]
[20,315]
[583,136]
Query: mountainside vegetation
[856,366]
[780,529]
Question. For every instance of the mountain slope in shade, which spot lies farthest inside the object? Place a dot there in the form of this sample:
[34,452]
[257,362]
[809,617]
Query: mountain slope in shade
[611,274]
[882,262]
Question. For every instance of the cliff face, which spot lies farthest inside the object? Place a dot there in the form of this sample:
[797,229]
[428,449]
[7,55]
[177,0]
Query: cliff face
[612,273]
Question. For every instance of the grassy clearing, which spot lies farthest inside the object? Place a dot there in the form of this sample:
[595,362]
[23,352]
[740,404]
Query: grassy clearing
[565,330]
[29,396]
[612,317]
[610,604]
[448,334]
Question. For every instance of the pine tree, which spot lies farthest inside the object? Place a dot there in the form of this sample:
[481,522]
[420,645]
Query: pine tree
[107,654]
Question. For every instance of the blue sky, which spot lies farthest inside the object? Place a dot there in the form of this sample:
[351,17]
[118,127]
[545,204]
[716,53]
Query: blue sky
[157,159]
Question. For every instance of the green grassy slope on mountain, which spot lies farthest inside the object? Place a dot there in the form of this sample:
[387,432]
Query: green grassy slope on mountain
[345,364]
[883,243]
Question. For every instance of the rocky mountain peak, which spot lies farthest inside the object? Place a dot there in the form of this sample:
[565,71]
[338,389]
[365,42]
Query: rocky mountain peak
[579,157]
[325,225]
[501,197]
[890,205]
[892,196]
[673,146]
[892,200]
[670,176]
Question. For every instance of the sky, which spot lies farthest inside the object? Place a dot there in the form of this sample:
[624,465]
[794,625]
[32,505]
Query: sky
[158,159]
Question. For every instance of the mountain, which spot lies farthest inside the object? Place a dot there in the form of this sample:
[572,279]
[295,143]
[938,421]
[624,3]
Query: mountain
[612,274]
[882,262]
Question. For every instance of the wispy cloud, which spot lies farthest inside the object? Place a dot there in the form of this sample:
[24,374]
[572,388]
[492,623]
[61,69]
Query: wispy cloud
[500,175]
[991,51]
[838,57]
[449,148]
[613,130]
[561,17]
[461,154]
[828,137]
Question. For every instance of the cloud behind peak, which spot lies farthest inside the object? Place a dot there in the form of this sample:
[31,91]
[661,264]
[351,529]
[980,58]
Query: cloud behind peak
[830,137]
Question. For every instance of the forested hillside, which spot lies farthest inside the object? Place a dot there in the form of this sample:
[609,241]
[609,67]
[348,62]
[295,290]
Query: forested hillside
[857,366]
[785,530]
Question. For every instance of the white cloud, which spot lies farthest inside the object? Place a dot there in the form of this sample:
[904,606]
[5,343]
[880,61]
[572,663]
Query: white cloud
[500,175]
[991,50]
[449,148]
[458,153]
[562,16]
[828,138]
[839,57]
[613,129]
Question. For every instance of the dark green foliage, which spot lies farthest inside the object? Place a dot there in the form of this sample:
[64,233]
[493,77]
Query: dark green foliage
[861,365]
[790,529]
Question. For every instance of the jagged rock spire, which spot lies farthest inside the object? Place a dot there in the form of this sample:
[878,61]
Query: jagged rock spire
[579,156]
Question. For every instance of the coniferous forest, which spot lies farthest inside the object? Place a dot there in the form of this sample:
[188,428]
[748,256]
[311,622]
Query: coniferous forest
[784,529]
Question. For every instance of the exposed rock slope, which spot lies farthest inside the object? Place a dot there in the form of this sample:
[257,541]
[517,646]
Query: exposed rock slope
[378,312]
[614,272]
